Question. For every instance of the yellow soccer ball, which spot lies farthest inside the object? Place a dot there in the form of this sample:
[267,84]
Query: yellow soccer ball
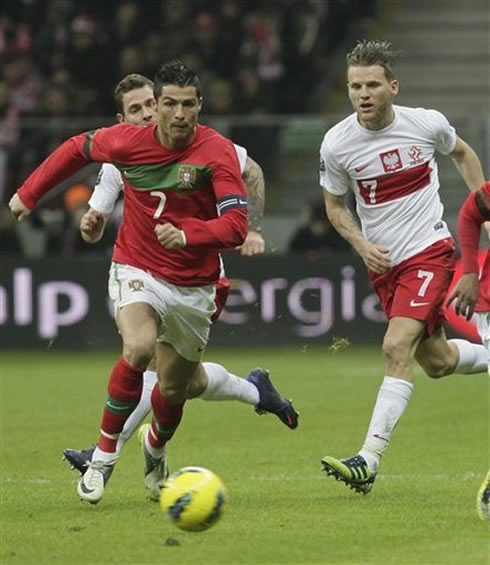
[193,498]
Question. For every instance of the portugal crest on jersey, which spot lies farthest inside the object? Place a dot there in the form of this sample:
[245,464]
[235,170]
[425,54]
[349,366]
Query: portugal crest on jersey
[187,177]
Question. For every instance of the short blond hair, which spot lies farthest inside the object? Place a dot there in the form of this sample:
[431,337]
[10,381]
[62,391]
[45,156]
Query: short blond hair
[367,53]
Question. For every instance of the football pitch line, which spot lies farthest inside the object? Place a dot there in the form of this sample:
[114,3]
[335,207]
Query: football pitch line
[465,477]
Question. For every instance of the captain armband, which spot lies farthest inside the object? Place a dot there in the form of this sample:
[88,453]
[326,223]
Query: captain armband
[231,201]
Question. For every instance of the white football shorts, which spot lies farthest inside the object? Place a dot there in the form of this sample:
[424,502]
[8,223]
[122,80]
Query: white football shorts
[185,312]
[483,327]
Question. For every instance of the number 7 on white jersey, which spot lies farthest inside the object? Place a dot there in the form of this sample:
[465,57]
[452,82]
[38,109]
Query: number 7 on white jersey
[371,185]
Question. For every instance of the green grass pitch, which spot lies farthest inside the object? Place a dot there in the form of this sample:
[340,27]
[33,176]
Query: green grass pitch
[281,509]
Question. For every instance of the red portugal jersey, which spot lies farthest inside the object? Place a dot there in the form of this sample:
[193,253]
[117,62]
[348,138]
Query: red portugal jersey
[474,212]
[483,304]
[198,189]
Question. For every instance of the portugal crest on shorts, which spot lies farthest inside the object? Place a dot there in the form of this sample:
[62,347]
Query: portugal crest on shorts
[187,177]
[135,285]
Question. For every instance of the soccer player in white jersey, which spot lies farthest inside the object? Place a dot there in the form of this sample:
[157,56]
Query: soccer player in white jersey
[136,105]
[385,155]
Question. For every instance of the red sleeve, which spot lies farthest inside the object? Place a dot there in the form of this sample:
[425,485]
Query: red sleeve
[114,144]
[470,218]
[230,228]
[66,160]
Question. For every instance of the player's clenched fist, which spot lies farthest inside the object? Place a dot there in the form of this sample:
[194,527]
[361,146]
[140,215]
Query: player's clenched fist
[18,208]
[170,236]
[92,225]
[253,245]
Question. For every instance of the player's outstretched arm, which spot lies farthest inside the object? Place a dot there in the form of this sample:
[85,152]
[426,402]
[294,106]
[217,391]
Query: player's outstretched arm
[63,162]
[375,257]
[253,178]
[468,164]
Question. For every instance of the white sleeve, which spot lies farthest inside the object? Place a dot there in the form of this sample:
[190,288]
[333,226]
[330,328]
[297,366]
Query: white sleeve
[106,190]
[333,178]
[444,134]
[241,153]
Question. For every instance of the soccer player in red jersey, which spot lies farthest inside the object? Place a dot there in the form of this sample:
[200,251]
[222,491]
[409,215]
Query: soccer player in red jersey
[184,200]
[385,154]
[473,295]
[136,104]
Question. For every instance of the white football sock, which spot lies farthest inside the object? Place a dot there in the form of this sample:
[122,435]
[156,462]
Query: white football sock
[473,358]
[140,412]
[393,397]
[104,456]
[222,385]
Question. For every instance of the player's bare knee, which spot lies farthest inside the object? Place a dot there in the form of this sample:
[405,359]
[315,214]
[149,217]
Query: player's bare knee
[198,383]
[138,353]
[173,394]
[394,350]
[195,389]
[436,368]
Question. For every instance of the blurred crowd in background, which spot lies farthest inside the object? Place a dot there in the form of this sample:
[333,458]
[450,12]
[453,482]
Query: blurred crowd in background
[61,59]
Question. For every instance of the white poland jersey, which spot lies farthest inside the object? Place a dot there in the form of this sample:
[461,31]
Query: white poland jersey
[393,174]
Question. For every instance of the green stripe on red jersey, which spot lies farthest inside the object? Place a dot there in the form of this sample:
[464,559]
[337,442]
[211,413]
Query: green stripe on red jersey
[173,176]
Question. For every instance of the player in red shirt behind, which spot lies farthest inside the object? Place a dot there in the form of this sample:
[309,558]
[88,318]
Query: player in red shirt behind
[184,201]
[471,295]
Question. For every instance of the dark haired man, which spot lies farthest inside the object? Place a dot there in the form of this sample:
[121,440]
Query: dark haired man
[177,174]
[385,155]
[136,105]
[127,111]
